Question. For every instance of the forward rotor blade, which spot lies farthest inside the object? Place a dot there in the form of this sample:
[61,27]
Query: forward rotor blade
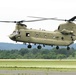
[34,17]
[34,20]
[48,18]
[9,21]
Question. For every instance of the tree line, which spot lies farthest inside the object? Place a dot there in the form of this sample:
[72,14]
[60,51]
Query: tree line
[38,54]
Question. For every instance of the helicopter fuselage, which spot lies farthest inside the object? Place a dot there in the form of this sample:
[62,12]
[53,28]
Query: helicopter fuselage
[41,37]
[65,35]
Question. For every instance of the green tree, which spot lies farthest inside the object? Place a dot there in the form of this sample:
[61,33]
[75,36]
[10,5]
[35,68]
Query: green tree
[23,51]
[61,56]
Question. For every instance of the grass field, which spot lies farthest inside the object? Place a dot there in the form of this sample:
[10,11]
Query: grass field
[22,64]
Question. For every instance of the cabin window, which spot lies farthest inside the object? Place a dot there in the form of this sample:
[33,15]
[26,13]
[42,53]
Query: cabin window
[45,36]
[62,38]
[27,34]
[36,35]
[53,37]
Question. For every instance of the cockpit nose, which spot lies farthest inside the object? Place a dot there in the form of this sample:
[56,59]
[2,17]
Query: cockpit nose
[12,37]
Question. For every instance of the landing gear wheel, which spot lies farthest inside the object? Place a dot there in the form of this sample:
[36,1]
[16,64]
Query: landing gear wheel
[57,47]
[29,46]
[39,47]
[68,48]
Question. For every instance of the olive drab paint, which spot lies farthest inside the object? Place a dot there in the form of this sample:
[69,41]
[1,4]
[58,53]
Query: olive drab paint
[63,36]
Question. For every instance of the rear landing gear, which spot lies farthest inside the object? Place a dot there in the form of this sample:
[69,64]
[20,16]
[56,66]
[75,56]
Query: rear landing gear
[68,48]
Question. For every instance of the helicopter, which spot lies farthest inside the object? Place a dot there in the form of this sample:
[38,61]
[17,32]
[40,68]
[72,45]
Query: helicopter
[65,35]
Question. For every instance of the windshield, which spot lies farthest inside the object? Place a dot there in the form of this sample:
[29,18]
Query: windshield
[16,32]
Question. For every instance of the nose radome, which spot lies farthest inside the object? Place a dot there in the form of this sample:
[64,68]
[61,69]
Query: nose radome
[10,36]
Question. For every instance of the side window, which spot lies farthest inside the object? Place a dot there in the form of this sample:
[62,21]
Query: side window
[27,34]
[62,38]
[45,36]
[36,35]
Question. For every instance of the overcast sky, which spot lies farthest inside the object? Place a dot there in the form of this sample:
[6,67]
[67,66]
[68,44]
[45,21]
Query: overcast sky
[20,9]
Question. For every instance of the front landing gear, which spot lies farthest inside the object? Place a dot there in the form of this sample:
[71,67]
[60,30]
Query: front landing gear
[39,47]
[29,46]
[57,47]
[68,48]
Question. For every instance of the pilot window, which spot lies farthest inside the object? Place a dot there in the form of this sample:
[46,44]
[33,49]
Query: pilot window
[27,34]
[16,32]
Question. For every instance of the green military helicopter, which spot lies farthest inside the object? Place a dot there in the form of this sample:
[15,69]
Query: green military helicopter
[65,35]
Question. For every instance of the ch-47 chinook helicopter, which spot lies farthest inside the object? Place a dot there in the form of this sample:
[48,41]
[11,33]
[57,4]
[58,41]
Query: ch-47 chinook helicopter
[65,35]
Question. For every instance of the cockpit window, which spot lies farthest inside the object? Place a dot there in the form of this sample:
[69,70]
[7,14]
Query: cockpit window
[16,32]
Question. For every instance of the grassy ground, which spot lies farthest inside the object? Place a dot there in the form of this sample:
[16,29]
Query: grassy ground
[44,64]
